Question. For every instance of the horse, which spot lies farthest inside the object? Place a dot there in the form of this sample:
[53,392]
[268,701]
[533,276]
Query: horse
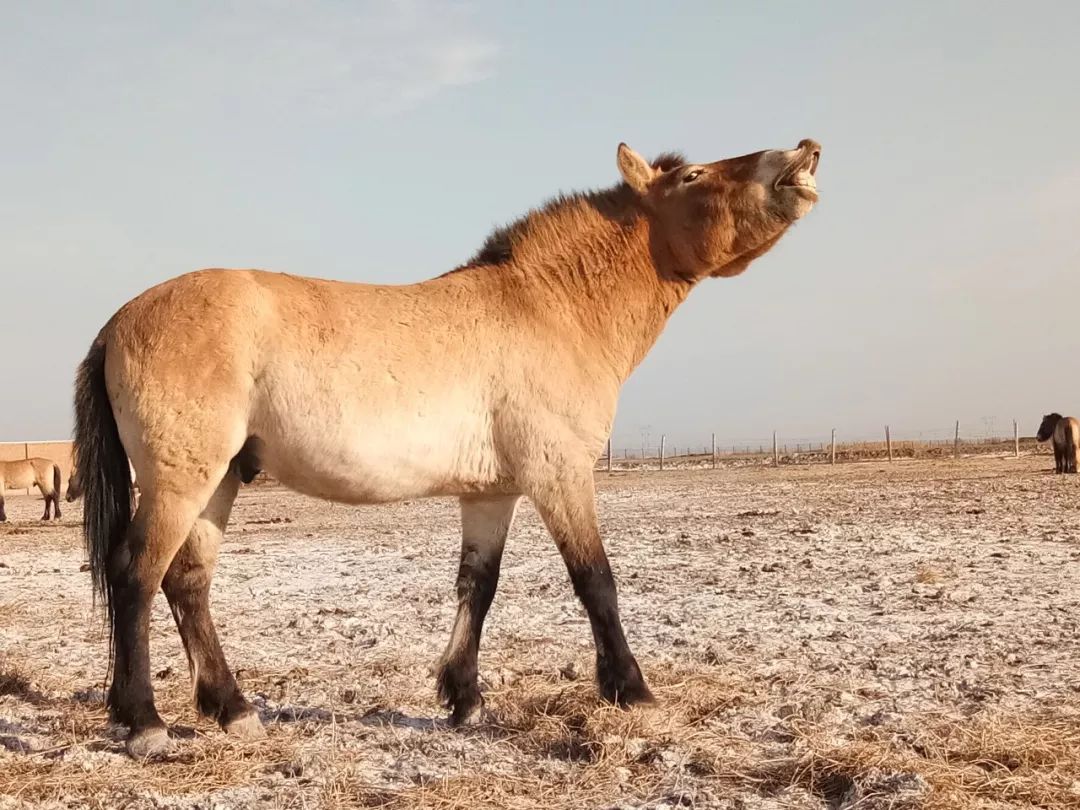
[496,380]
[1065,431]
[75,488]
[42,473]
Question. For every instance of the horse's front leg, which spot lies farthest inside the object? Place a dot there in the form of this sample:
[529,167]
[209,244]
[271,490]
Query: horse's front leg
[485,522]
[567,504]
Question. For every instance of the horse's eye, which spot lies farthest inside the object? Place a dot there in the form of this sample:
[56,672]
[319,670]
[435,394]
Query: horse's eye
[690,177]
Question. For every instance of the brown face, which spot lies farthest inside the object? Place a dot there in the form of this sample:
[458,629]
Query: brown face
[717,217]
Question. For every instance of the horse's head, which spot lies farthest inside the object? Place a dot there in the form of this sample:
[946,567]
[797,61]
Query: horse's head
[74,490]
[1046,429]
[715,218]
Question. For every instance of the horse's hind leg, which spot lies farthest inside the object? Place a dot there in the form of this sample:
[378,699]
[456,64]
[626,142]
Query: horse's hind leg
[567,505]
[485,522]
[187,587]
[135,571]
[3,514]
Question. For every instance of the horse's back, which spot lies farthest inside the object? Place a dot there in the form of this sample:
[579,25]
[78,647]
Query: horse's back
[356,392]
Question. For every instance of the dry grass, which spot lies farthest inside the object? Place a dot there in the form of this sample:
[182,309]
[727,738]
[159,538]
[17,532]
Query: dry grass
[998,759]
[933,574]
[569,751]
[995,760]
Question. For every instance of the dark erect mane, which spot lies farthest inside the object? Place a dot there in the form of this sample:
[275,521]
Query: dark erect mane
[498,248]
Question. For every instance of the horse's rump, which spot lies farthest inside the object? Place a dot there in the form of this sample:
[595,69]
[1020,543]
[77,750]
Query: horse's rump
[1067,442]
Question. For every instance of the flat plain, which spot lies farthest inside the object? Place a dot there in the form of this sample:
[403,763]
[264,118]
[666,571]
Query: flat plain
[869,635]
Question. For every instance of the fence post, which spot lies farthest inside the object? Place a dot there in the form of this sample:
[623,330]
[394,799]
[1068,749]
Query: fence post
[609,454]
[714,451]
[832,451]
[775,451]
[663,441]
[888,442]
[956,441]
[1016,440]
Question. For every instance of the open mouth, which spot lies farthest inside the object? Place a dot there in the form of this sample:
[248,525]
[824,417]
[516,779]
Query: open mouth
[800,174]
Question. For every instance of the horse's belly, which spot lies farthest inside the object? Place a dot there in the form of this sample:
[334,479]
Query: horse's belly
[382,460]
[19,477]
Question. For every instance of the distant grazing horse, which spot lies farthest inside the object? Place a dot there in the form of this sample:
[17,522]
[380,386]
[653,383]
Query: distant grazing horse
[32,472]
[1065,431]
[75,488]
[495,380]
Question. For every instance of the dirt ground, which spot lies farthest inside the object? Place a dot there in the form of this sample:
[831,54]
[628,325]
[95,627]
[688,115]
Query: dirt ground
[869,635]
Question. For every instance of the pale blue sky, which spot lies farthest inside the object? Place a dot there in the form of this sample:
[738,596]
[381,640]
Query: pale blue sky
[381,142]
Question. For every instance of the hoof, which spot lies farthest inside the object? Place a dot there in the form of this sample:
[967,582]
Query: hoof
[631,695]
[473,714]
[626,690]
[246,727]
[150,743]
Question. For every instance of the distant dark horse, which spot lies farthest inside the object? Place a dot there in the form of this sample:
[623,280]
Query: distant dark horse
[1065,431]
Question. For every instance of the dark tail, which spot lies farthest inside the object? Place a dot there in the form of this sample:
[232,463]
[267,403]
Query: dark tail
[102,468]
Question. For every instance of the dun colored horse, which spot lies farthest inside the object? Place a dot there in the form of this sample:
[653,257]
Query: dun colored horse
[1065,431]
[32,472]
[493,381]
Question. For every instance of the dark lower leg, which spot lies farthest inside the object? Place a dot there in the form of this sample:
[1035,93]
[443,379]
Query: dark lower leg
[217,695]
[3,514]
[617,672]
[485,524]
[135,571]
[570,514]
[478,577]
[56,505]
[131,697]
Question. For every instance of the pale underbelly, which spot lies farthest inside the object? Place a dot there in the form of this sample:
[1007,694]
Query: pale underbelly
[378,463]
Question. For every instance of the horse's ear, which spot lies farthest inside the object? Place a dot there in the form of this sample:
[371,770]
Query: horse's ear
[635,170]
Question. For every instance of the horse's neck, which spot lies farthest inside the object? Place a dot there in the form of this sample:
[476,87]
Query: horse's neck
[612,295]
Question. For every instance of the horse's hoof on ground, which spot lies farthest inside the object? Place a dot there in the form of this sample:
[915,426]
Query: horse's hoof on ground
[475,715]
[149,743]
[246,727]
[628,691]
[638,695]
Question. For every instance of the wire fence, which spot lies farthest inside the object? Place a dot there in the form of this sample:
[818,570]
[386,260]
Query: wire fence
[778,449]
